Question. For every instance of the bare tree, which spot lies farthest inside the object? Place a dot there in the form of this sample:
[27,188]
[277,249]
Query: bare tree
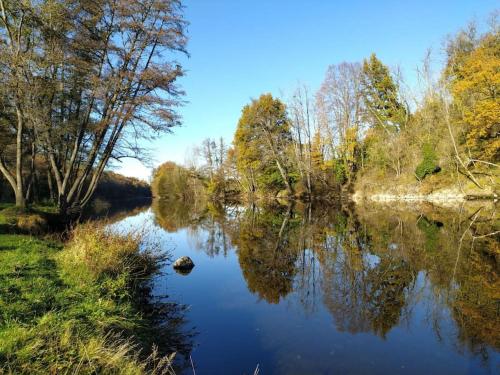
[340,102]
[302,120]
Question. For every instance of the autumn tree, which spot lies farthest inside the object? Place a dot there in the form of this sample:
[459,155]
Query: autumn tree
[100,78]
[474,77]
[171,180]
[261,142]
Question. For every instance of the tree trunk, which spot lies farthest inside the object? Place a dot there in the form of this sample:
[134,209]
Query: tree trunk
[274,151]
[284,175]
[20,198]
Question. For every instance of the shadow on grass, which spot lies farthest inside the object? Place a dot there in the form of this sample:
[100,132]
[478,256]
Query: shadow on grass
[29,280]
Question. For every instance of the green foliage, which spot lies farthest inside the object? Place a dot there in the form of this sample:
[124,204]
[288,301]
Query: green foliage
[339,171]
[375,146]
[337,168]
[429,162]
[270,179]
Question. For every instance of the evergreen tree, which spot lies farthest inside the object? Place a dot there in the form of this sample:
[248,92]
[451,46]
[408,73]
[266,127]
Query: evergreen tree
[381,95]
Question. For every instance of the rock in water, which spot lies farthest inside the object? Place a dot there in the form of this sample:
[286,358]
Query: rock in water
[183,264]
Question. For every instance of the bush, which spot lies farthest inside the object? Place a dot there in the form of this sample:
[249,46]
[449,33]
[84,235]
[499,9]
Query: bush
[428,164]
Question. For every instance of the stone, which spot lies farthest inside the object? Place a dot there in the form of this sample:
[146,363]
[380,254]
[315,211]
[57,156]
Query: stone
[183,264]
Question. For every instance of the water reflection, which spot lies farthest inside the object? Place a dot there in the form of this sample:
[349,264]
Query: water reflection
[370,267]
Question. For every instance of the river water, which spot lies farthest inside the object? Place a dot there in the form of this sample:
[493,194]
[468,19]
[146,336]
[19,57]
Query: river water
[301,289]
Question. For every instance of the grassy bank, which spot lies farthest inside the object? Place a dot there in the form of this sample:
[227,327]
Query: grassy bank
[74,307]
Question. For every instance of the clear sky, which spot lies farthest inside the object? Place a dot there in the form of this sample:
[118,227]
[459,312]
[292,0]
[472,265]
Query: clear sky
[242,48]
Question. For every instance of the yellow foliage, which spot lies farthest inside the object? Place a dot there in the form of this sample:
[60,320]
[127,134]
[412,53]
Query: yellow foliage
[475,89]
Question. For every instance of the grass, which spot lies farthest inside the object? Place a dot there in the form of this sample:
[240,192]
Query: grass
[74,308]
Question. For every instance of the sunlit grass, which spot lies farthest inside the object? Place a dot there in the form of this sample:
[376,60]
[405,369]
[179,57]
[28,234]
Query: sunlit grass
[71,309]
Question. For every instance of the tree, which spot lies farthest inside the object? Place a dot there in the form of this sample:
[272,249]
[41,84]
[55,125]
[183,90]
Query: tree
[385,113]
[261,142]
[99,80]
[17,40]
[474,77]
[302,122]
[341,102]
[381,95]
[174,181]
[214,153]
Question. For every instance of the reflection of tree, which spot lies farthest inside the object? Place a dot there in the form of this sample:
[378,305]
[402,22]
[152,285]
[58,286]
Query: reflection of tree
[431,231]
[365,290]
[459,255]
[215,225]
[175,214]
[117,211]
[265,255]
[476,305]
[388,283]
[363,265]
[344,277]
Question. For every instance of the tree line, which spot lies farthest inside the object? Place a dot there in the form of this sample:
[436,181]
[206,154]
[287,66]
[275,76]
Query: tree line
[81,83]
[364,125]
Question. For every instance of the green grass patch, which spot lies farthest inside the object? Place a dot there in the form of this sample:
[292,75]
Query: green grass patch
[74,308]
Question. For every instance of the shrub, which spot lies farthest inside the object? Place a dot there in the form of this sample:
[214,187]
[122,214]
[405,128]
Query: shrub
[24,220]
[429,162]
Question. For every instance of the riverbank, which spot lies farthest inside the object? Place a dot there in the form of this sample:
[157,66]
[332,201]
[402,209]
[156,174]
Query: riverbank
[77,306]
[436,190]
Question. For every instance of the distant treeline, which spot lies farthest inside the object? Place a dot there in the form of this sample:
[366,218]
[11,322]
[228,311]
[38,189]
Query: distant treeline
[114,186]
[364,126]
[111,186]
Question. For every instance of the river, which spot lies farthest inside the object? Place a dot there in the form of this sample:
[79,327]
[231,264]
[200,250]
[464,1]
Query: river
[320,289]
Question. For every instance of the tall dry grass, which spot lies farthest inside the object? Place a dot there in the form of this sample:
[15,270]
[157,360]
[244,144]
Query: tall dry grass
[100,250]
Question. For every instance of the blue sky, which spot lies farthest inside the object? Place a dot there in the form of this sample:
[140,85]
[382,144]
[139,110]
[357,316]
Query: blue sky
[241,48]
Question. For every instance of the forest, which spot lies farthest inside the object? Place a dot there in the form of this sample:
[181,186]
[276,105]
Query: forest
[363,131]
